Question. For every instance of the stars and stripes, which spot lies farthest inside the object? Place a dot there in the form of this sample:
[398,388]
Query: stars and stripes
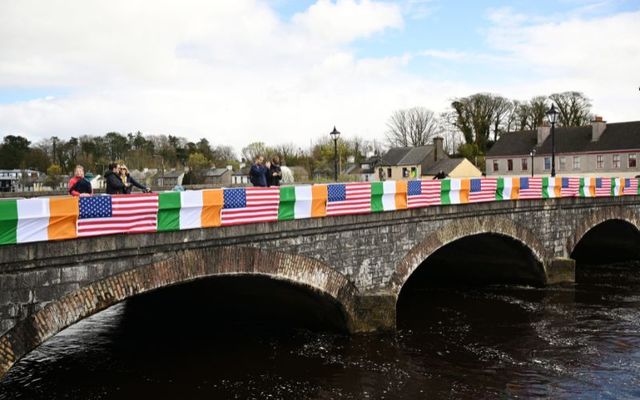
[348,198]
[570,187]
[603,187]
[248,205]
[423,193]
[530,188]
[104,215]
[630,186]
[482,190]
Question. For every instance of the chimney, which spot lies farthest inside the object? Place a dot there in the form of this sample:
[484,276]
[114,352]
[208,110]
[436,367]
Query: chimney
[543,132]
[598,125]
[438,149]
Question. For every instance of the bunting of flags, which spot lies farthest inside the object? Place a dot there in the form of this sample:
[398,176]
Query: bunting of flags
[57,218]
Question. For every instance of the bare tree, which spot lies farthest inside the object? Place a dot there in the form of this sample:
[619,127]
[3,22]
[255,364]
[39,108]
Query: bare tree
[538,107]
[501,112]
[574,108]
[412,127]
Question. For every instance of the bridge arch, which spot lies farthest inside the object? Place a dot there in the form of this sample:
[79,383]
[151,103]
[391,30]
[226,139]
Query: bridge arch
[186,266]
[598,217]
[460,229]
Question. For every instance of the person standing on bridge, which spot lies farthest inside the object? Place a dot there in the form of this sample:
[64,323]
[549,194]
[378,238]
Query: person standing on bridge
[275,172]
[114,183]
[129,182]
[79,184]
[258,173]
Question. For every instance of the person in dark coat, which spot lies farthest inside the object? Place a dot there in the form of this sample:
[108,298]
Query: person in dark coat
[275,172]
[79,184]
[114,183]
[440,175]
[129,182]
[258,173]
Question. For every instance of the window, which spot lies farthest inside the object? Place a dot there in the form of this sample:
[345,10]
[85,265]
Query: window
[599,161]
[405,173]
[563,163]
[495,166]
[509,165]
[547,163]
[576,162]
[388,172]
[525,164]
[616,161]
[632,160]
[414,172]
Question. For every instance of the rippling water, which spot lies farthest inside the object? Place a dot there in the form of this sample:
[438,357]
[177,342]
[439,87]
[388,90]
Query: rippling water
[579,341]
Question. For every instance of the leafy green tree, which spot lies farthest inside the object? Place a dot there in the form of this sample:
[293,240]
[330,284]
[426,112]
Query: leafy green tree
[13,151]
[198,165]
[36,159]
[54,176]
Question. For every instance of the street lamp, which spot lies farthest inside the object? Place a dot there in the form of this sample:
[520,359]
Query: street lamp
[552,115]
[532,153]
[335,135]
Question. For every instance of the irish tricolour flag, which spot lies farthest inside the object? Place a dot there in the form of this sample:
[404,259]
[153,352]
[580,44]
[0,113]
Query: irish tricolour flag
[551,187]
[189,210]
[34,220]
[508,189]
[454,191]
[305,201]
[388,196]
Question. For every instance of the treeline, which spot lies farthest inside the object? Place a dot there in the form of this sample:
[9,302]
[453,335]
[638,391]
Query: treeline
[96,152]
[59,156]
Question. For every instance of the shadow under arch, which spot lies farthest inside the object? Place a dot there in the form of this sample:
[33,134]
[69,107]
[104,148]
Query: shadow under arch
[504,228]
[607,240]
[186,266]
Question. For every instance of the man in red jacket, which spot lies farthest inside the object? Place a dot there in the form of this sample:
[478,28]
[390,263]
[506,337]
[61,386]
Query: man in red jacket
[78,184]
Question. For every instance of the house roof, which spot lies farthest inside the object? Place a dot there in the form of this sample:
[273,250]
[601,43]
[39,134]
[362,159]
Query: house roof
[616,136]
[447,165]
[216,172]
[406,155]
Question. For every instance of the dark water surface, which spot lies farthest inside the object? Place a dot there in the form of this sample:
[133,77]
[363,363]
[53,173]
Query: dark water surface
[579,341]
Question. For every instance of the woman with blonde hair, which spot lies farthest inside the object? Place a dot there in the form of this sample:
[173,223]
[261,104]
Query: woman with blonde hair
[129,182]
[79,184]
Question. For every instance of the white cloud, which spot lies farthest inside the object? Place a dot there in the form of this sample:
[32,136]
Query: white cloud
[232,71]
[599,56]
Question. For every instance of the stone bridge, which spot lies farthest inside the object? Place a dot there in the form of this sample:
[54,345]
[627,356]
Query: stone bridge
[359,263]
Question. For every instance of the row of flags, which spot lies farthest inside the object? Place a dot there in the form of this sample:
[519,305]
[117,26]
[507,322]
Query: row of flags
[56,218]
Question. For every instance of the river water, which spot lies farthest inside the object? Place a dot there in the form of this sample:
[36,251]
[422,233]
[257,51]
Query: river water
[577,341]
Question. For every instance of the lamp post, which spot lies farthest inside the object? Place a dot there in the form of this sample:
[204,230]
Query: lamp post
[532,153]
[552,115]
[335,135]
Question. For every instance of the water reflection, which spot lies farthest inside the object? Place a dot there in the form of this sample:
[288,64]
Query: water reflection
[579,341]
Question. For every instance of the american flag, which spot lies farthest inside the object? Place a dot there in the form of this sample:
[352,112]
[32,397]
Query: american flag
[251,204]
[127,213]
[348,198]
[570,187]
[630,186]
[423,193]
[603,187]
[482,190]
[530,188]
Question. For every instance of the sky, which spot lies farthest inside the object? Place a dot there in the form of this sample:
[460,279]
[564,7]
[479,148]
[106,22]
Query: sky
[287,71]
